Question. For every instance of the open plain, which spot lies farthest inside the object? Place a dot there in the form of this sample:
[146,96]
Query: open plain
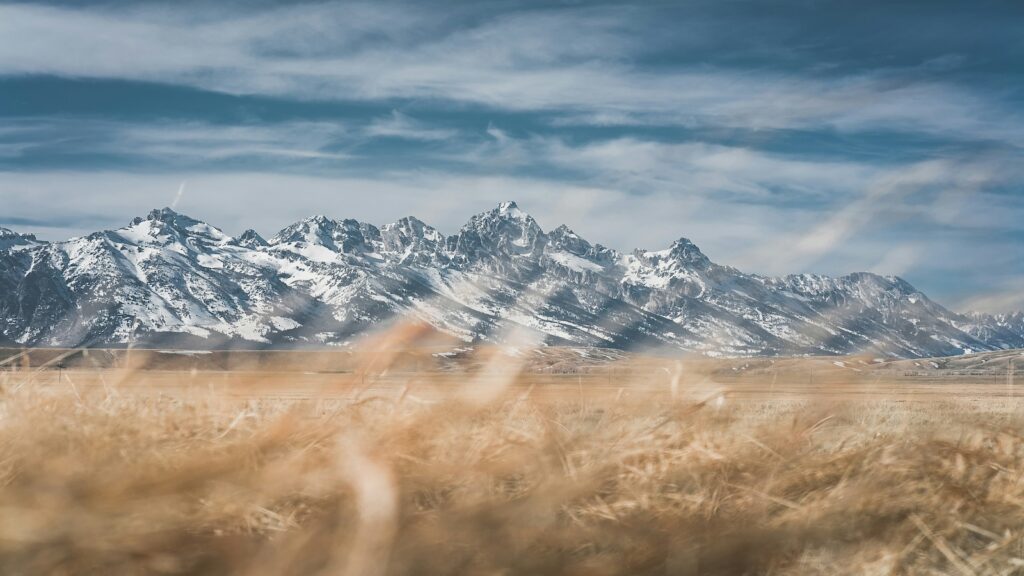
[555,373]
[404,459]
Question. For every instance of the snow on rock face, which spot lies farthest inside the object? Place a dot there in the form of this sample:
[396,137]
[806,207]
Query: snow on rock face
[574,262]
[345,236]
[503,232]
[250,239]
[169,222]
[1004,331]
[10,239]
[173,279]
[411,241]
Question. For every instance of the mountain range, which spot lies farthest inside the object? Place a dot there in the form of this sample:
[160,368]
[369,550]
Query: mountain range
[169,280]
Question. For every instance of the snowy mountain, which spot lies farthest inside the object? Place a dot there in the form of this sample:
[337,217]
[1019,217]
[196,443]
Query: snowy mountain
[171,280]
[10,239]
[1003,331]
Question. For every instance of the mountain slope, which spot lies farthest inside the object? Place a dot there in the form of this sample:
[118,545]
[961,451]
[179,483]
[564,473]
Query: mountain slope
[169,279]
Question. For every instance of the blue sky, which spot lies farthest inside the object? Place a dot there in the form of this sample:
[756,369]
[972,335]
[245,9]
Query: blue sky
[780,136]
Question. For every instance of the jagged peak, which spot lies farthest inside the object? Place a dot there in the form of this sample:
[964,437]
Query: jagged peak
[165,215]
[650,294]
[249,239]
[167,221]
[682,250]
[8,233]
[505,229]
[412,240]
[563,237]
[508,206]
[319,219]
[316,221]
[507,210]
[9,239]
[169,216]
[404,221]
[564,231]
[686,251]
[412,226]
[305,230]
[347,236]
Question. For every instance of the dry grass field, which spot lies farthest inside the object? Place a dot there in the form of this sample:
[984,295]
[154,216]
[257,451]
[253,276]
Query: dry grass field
[387,462]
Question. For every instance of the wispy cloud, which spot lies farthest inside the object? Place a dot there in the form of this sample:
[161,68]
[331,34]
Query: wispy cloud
[527,60]
[884,195]
[179,194]
[165,141]
[399,125]
[1005,297]
[635,124]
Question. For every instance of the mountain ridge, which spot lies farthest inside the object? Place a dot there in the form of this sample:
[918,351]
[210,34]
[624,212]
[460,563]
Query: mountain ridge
[169,279]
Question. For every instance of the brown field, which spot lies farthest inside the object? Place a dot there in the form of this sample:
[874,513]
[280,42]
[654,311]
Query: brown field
[399,459]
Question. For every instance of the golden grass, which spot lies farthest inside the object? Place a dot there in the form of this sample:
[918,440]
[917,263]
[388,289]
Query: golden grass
[103,481]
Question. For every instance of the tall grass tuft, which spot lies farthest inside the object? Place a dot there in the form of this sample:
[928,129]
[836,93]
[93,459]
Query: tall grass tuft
[108,480]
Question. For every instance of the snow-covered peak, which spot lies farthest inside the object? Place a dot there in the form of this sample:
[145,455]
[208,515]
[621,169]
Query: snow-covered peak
[324,281]
[184,223]
[315,230]
[169,216]
[685,251]
[883,289]
[681,253]
[323,239]
[505,211]
[505,230]
[1014,317]
[412,240]
[1002,330]
[510,208]
[563,237]
[250,239]
[165,225]
[7,233]
[563,240]
[11,239]
[413,227]
[817,284]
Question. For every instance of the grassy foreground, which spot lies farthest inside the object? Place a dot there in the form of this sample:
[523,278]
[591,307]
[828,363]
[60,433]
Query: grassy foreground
[100,481]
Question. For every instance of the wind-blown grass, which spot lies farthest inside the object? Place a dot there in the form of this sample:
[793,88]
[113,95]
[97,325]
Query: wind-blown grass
[102,481]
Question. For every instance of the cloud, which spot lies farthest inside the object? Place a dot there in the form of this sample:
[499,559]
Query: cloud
[900,196]
[110,199]
[888,229]
[399,125]
[180,193]
[613,119]
[1006,297]
[767,212]
[900,259]
[524,60]
[175,142]
[704,170]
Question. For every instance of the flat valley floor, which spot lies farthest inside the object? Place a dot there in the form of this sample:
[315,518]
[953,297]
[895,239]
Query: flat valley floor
[408,459]
[551,373]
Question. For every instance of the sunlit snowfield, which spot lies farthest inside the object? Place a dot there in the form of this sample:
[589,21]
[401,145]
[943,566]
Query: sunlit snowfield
[394,460]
